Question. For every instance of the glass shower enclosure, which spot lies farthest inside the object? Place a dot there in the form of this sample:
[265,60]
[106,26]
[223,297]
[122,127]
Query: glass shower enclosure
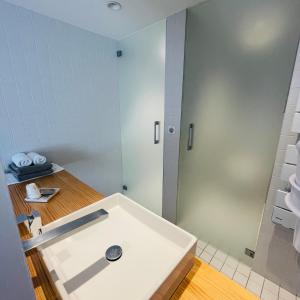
[141,93]
[236,80]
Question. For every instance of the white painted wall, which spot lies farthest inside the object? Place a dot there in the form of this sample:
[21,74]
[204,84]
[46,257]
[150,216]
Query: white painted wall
[15,282]
[58,96]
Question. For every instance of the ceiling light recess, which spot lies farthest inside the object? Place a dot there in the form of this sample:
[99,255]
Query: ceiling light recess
[114,5]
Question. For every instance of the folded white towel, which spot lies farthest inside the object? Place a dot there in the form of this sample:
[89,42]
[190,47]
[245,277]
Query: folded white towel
[37,159]
[21,160]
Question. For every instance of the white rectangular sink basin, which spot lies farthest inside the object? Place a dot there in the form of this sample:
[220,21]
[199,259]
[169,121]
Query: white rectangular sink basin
[156,254]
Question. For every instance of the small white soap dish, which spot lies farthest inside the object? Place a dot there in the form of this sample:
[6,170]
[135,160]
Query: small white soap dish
[47,194]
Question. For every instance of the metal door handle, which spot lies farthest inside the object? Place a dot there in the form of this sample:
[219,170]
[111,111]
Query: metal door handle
[191,137]
[156,132]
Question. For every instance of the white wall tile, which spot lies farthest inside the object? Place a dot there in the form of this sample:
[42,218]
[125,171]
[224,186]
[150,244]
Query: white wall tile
[296,123]
[293,96]
[254,287]
[220,255]
[198,251]
[201,244]
[296,79]
[240,279]
[277,169]
[277,183]
[280,156]
[291,155]
[297,97]
[256,277]
[285,295]
[210,249]
[206,256]
[231,262]
[271,287]
[287,123]
[287,139]
[267,295]
[287,171]
[286,218]
[243,269]
[297,63]
[279,199]
[217,264]
[228,271]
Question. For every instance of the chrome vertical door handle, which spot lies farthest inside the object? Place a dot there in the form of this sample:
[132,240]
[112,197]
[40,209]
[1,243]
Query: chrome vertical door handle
[190,137]
[156,132]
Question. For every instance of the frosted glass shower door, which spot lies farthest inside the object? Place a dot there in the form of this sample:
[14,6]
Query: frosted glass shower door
[141,85]
[236,80]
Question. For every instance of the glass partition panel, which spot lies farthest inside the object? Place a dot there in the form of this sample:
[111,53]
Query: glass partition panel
[141,88]
[238,64]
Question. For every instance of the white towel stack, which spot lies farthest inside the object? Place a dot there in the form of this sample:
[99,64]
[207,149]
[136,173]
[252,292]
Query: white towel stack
[36,158]
[21,160]
[24,160]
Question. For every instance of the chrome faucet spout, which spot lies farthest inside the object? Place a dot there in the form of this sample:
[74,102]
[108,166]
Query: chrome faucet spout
[33,222]
[43,237]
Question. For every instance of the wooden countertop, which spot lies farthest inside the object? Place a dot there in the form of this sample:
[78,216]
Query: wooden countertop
[73,195]
[202,282]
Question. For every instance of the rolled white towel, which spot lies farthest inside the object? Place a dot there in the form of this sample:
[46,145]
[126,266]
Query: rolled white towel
[21,160]
[37,159]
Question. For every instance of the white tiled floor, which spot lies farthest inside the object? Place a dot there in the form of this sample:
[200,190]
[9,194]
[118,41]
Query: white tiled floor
[242,274]
[240,279]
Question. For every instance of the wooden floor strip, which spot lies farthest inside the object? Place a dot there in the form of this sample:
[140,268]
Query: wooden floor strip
[204,282]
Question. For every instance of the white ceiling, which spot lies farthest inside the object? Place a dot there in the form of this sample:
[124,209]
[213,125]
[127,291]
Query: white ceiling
[94,16]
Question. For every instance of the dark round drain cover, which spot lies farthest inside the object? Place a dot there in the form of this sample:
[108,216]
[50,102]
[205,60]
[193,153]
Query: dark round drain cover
[113,253]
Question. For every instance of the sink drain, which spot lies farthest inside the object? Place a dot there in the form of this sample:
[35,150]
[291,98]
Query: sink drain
[113,253]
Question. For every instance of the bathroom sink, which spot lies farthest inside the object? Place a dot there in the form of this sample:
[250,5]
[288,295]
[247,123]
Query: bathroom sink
[156,255]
